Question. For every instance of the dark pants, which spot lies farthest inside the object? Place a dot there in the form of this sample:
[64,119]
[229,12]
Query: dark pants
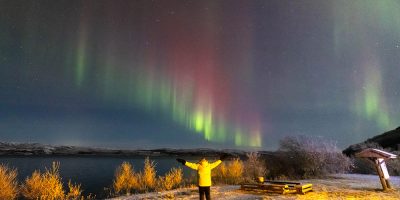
[204,191]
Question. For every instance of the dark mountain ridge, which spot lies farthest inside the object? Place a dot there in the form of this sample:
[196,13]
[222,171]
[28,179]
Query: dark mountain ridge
[389,139]
[36,149]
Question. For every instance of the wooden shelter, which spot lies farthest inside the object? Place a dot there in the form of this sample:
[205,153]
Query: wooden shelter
[378,157]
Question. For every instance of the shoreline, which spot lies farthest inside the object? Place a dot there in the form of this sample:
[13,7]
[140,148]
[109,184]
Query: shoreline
[337,186]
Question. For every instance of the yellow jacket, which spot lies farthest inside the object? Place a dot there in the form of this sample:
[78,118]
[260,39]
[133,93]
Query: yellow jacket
[203,171]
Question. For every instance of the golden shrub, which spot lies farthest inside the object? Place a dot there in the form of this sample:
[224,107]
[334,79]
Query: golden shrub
[222,170]
[148,177]
[177,175]
[8,183]
[229,172]
[171,180]
[44,186]
[219,173]
[33,186]
[235,171]
[75,191]
[125,180]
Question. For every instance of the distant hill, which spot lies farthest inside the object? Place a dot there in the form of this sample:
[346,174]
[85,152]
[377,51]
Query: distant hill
[36,149]
[390,139]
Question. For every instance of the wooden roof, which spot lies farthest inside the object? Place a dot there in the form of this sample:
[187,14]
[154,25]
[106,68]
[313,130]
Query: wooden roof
[375,153]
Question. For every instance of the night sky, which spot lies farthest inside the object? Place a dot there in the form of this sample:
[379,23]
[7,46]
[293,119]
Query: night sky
[191,73]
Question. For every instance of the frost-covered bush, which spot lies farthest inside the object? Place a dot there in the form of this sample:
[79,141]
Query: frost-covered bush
[307,156]
[255,166]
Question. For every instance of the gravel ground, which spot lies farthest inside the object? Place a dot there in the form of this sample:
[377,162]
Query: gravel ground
[340,186]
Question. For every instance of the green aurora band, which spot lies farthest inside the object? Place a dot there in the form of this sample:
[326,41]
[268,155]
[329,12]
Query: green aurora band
[354,20]
[154,93]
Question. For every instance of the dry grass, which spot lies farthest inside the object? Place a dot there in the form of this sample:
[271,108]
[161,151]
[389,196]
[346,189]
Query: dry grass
[75,191]
[235,171]
[8,183]
[44,186]
[219,173]
[126,180]
[148,177]
[171,180]
[229,172]
[49,186]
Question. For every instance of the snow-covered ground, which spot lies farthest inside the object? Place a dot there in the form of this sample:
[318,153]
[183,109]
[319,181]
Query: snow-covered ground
[340,186]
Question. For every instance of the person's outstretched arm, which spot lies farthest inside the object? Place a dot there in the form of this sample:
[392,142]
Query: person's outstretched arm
[216,163]
[194,166]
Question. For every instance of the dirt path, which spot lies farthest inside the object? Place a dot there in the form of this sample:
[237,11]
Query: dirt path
[343,186]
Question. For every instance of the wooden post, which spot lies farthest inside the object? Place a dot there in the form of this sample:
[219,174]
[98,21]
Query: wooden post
[385,172]
[380,174]
[388,184]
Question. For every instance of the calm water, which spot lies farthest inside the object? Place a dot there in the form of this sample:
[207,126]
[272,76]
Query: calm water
[94,173]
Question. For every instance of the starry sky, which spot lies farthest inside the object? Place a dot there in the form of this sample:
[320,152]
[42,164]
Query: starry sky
[188,73]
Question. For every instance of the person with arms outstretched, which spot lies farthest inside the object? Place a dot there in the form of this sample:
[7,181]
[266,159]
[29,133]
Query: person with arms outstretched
[203,169]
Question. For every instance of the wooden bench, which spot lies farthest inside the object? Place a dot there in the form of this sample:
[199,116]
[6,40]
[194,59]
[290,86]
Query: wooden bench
[281,187]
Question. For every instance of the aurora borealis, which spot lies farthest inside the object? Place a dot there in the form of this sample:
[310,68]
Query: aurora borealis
[186,73]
